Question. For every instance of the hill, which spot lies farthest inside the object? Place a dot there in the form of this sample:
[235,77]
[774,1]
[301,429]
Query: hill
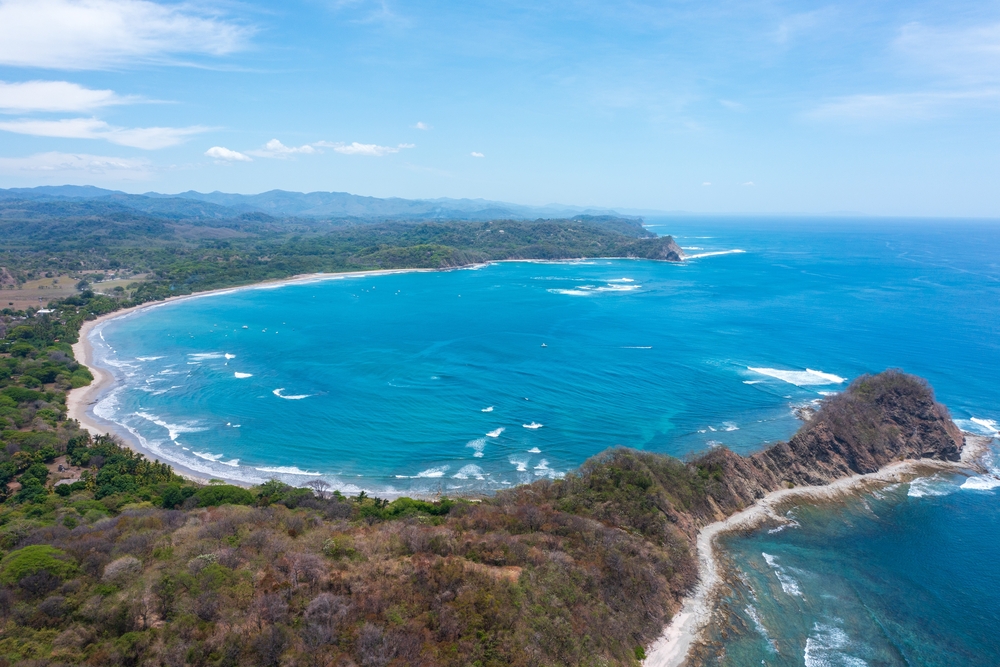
[284,204]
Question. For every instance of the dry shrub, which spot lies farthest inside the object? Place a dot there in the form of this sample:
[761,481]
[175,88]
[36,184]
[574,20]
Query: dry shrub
[121,569]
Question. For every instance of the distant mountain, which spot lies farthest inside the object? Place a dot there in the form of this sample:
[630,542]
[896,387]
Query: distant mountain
[283,204]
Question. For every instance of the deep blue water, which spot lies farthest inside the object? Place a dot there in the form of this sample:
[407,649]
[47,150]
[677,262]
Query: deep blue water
[385,383]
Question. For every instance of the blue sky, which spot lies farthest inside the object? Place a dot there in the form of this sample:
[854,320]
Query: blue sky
[885,108]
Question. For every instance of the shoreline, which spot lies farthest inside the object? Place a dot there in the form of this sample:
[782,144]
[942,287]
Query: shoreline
[675,642]
[79,401]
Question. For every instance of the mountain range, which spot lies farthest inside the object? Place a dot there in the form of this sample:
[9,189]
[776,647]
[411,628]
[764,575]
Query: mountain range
[284,204]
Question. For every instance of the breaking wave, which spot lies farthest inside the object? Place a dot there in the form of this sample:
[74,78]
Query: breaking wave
[800,378]
[297,397]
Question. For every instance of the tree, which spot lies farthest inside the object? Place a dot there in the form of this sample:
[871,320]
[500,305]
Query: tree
[320,488]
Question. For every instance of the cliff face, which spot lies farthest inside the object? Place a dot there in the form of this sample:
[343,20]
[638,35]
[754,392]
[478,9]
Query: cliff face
[877,420]
[662,248]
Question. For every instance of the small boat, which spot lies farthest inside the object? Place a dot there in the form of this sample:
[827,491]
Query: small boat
[544,345]
[245,326]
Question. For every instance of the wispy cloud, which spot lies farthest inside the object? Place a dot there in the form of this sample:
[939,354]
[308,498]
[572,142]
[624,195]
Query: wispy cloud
[148,138]
[422,125]
[476,154]
[63,165]
[368,11]
[50,96]
[370,150]
[901,106]
[226,155]
[276,149]
[969,55]
[97,34]
[797,24]
[959,68]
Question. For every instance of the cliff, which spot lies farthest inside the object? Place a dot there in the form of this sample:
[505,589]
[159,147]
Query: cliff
[879,419]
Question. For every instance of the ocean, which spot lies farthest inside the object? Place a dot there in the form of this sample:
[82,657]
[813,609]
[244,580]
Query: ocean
[473,380]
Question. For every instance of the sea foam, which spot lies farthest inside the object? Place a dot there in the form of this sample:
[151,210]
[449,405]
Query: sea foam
[800,378]
[469,471]
[825,648]
[788,584]
[735,251]
[930,487]
[297,397]
[288,470]
[532,425]
[173,430]
[433,472]
[519,462]
[496,432]
[479,444]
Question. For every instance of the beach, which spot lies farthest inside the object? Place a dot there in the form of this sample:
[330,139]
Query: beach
[672,648]
[79,402]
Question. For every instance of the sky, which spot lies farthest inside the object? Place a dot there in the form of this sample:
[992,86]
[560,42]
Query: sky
[875,107]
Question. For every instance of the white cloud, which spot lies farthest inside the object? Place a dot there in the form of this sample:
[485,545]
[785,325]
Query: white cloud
[421,125]
[734,106]
[276,149]
[220,153]
[476,154]
[706,183]
[748,183]
[964,55]
[900,106]
[55,96]
[797,24]
[149,138]
[96,34]
[960,68]
[371,150]
[64,165]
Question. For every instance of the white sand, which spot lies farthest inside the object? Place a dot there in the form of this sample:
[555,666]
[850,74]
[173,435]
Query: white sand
[671,649]
[80,401]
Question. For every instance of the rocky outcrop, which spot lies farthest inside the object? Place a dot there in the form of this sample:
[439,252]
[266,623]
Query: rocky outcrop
[879,419]
[661,248]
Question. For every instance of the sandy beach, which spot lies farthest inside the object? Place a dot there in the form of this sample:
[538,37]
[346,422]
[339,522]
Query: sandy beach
[671,649]
[80,402]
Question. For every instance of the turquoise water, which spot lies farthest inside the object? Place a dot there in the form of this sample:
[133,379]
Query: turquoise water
[427,382]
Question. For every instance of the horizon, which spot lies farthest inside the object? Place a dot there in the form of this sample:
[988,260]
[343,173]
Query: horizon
[566,208]
[885,109]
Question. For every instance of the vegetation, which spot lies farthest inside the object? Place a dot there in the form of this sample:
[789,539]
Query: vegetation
[88,242]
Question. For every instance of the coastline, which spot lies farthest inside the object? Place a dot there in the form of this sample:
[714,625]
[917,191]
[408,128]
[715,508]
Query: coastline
[80,401]
[672,647]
